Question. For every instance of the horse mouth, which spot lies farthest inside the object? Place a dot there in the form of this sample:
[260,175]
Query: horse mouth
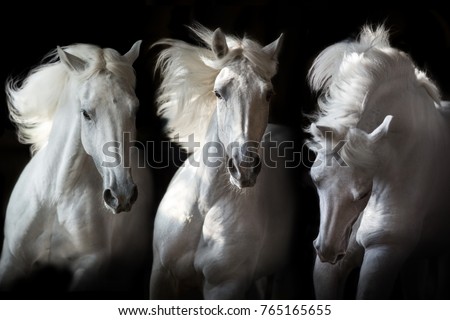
[330,260]
[118,209]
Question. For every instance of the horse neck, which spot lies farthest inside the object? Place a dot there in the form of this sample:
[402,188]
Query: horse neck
[418,136]
[413,111]
[64,154]
[214,179]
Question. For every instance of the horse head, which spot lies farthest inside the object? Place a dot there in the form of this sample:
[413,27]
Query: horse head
[243,91]
[107,107]
[343,174]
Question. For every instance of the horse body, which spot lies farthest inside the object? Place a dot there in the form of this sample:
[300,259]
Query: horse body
[221,240]
[395,173]
[217,229]
[420,164]
[59,213]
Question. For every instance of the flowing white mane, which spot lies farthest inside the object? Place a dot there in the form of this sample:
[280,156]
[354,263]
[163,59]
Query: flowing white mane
[185,97]
[33,101]
[347,72]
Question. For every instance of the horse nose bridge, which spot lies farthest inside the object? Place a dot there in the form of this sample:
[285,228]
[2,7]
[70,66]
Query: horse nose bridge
[124,188]
[246,151]
[118,177]
[246,159]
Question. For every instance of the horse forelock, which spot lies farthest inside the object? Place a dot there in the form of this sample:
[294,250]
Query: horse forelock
[103,60]
[347,73]
[185,97]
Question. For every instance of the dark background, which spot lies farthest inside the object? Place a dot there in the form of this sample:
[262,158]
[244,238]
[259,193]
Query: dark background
[29,31]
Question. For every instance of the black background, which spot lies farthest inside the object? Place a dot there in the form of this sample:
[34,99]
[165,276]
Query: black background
[29,31]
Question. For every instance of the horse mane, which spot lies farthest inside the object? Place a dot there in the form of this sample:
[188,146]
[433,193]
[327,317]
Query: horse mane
[185,97]
[346,74]
[34,99]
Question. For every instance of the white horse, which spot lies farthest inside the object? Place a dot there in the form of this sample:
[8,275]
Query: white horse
[382,170]
[217,229]
[78,113]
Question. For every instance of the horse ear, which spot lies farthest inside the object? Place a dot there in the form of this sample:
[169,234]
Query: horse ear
[381,130]
[133,53]
[376,135]
[71,61]
[273,49]
[219,44]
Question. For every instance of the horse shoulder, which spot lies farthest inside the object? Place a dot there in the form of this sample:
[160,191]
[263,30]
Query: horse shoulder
[231,233]
[181,195]
[32,186]
[178,221]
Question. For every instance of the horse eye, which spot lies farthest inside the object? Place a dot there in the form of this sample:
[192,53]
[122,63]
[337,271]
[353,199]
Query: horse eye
[86,115]
[218,95]
[269,95]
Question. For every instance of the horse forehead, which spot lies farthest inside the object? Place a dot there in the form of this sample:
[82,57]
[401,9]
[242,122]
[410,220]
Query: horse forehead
[321,171]
[106,88]
[343,176]
[243,74]
[326,166]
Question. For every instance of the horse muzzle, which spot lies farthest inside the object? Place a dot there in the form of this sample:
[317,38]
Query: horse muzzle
[328,254]
[243,174]
[120,201]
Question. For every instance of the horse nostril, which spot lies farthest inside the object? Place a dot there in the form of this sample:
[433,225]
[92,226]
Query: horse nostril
[231,166]
[339,257]
[110,199]
[316,245]
[134,195]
